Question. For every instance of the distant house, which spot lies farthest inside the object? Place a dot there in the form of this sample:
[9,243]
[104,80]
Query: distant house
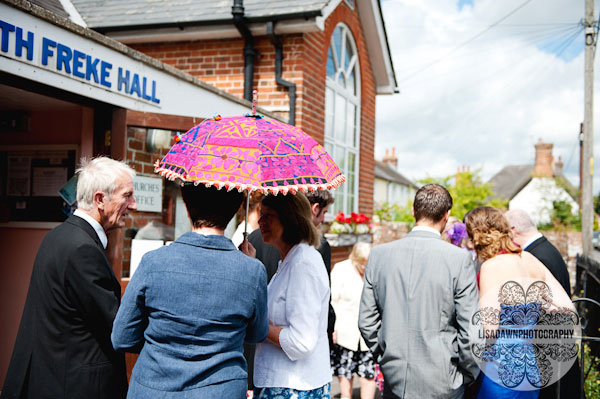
[390,185]
[533,188]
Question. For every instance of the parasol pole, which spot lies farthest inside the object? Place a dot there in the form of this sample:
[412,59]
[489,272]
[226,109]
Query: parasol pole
[246,220]
[254,100]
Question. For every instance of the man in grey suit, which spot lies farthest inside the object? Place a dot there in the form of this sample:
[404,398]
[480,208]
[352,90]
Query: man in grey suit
[418,298]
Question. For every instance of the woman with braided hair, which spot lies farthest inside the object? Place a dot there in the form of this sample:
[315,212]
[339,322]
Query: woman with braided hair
[516,292]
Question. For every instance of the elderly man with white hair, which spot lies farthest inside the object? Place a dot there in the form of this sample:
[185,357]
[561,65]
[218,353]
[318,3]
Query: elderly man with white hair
[63,347]
[527,236]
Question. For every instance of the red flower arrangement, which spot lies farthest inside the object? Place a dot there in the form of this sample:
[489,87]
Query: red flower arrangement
[355,223]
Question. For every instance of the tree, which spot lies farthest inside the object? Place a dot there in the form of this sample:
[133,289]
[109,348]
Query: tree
[394,212]
[562,218]
[467,191]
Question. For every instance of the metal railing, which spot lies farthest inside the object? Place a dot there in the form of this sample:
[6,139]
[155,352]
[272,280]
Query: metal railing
[588,307]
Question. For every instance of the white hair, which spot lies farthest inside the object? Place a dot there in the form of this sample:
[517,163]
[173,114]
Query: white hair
[520,220]
[99,174]
[360,252]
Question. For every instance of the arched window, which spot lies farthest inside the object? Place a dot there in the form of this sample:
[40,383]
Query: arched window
[342,114]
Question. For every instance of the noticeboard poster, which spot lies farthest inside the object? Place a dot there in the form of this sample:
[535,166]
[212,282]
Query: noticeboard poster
[31,179]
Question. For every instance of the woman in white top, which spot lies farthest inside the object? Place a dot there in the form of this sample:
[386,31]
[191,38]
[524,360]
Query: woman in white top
[294,360]
[253,215]
[350,354]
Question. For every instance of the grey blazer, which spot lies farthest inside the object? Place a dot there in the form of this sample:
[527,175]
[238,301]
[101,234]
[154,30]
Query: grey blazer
[419,296]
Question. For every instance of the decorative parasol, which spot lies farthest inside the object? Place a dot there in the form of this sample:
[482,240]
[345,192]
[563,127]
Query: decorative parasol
[250,153]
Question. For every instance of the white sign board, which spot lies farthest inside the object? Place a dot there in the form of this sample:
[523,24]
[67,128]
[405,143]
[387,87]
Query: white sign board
[139,249]
[37,50]
[148,193]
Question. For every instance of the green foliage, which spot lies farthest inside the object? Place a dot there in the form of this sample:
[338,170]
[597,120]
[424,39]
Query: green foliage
[467,191]
[592,382]
[394,212]
[562,218]
[597,204]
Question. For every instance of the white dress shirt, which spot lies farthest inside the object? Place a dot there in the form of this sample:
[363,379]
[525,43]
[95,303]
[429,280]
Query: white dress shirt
[427,228]
[531,240]
[94,223]
[346,288]
[298,301]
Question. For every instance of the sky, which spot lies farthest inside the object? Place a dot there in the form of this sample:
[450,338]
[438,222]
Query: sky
[481,81]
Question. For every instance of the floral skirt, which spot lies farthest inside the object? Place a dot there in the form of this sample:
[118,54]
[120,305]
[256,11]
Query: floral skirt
[323,392]
[345,362]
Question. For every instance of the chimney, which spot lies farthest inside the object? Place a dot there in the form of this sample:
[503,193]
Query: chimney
[558,167]
[391,160]
[543,160]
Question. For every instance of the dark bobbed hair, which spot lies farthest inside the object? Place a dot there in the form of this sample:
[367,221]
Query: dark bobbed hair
[209,206]
[432,201]
[490,232]
[321,197]
[295,217]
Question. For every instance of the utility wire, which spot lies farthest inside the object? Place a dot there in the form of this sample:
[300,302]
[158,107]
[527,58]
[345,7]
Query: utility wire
[572,152]
[478,55]
[467,42]
[538,73]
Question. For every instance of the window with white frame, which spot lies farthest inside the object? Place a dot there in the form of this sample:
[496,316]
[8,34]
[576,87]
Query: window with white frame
[342,115]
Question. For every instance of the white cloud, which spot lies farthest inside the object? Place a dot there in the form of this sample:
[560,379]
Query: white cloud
[484,104]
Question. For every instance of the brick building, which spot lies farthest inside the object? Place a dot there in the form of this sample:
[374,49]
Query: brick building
[86,78]
[316,64]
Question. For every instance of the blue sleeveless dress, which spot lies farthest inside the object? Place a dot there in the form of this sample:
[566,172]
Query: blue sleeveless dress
[511,370]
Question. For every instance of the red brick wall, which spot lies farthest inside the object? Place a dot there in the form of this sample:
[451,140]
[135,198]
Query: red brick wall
[221,63]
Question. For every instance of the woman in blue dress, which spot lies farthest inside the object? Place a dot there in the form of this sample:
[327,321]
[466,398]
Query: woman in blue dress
[516,293]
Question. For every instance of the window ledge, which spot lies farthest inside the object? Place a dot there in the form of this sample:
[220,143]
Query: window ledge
[346,239]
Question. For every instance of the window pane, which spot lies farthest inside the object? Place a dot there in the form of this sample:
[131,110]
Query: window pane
[351,162]
[350,203]
[338,204]
[329,99]
[349,53]
[340,118]
[351,125]
[336,42]
[350,192]
[340,158]
[342,80]
[330,64]
[352,82]
[351,181]
[329,149]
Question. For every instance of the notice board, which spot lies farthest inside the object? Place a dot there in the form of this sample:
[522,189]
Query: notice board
[30,180]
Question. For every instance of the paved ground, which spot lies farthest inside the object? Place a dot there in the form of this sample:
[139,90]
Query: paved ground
[335,390]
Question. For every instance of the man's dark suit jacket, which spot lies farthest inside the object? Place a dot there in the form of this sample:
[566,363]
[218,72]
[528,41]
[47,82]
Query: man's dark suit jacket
[547,253]
[552,259]
[63,347]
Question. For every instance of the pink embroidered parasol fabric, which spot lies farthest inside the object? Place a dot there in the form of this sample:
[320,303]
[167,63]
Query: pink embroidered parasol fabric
[251,153]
